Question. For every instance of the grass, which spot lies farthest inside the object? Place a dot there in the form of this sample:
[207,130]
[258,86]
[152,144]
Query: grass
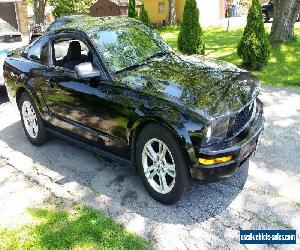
[284,64]
[79,228]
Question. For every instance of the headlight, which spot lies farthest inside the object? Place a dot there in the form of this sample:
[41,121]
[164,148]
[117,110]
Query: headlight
[216,132]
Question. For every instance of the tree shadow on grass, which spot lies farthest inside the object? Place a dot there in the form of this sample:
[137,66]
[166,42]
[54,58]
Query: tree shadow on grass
[80,228]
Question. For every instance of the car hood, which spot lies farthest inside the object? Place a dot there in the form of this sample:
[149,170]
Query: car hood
[208,87]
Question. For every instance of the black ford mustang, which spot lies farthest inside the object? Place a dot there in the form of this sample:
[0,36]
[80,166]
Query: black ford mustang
[115,87]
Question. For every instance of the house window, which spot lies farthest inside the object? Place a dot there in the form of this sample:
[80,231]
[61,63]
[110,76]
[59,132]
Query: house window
[161,7]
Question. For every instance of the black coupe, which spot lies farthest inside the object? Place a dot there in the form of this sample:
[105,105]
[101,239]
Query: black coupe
[115,87]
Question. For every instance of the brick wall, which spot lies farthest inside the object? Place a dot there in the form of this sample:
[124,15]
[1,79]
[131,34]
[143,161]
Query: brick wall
[22,17]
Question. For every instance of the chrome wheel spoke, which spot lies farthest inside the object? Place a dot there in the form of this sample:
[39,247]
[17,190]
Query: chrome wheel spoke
[151,153]
[170,170]
[150,168]
[163,183]
[162,150]
[151,176]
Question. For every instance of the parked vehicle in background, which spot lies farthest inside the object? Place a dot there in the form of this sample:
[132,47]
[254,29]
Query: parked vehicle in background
[268,11]
[8,34]
[36,31]
[39,30]
[113,86]
[10,39]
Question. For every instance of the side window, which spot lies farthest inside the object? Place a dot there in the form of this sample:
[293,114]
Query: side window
[39,52]
[68,52]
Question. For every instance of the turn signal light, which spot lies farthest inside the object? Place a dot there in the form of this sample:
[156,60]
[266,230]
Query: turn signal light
[215,161]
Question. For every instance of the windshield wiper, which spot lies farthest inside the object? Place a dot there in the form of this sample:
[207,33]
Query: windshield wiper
[158,54]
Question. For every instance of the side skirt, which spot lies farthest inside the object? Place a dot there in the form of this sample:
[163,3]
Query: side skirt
[87,146]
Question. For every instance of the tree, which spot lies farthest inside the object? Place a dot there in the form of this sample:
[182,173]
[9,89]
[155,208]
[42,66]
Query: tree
[39,7]
[190,39]
[172,12]
[132,9]
[144,17]
[254,47]
[286,12]
[63,7]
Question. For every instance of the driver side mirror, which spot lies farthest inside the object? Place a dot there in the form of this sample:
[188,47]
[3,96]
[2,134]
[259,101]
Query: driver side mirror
[86,70]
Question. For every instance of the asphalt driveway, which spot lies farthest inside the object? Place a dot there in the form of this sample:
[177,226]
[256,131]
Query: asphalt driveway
[264,194]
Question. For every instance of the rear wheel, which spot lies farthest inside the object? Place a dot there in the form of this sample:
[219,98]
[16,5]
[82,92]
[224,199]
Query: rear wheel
[33,125]
[162,164]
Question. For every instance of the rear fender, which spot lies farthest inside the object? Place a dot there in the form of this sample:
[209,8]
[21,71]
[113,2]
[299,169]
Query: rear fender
[17,80]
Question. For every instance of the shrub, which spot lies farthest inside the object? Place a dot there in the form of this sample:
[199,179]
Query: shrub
[254,47]
[132,9]
[66,7]
[144,17]
[190,39]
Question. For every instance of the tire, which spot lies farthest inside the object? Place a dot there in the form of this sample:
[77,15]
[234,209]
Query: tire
[33,126]
[173,167]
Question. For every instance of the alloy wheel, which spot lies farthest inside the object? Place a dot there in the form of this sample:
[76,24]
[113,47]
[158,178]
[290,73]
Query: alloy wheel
[30,119]
[159,166]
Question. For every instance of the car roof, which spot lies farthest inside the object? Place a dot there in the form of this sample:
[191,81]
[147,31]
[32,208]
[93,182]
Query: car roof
[92,24]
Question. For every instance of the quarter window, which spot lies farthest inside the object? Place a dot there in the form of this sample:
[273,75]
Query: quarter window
[39,52]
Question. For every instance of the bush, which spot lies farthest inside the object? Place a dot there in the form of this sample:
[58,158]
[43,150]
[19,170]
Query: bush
[144,17]
[254,47]
[66,7]
[190,39]
[132,9]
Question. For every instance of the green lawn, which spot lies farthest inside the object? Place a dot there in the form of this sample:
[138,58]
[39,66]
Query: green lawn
[282,70]
[78,228]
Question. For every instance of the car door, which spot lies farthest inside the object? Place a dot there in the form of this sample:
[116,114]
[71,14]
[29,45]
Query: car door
[75,105]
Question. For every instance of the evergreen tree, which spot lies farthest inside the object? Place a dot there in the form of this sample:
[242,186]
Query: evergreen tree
[191,39]
[144,17]
[254,47]
[132,9]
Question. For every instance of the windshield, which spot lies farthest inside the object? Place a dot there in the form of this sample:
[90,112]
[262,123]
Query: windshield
[125,47]
[4,27]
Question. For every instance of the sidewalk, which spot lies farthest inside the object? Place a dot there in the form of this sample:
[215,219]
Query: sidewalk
[16,195]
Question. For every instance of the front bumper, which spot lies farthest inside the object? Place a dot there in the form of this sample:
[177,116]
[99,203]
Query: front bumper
[240,148]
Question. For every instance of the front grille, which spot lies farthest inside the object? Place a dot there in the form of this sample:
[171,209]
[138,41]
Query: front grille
[242,118]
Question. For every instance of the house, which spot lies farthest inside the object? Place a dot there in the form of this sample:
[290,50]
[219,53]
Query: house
[15,13]
[211,12]
[112,8]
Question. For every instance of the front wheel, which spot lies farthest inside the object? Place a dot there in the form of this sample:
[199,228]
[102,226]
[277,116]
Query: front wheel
[162,164]
[33,125]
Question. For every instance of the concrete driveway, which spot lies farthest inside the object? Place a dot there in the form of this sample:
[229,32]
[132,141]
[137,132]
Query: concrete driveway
[264,194]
